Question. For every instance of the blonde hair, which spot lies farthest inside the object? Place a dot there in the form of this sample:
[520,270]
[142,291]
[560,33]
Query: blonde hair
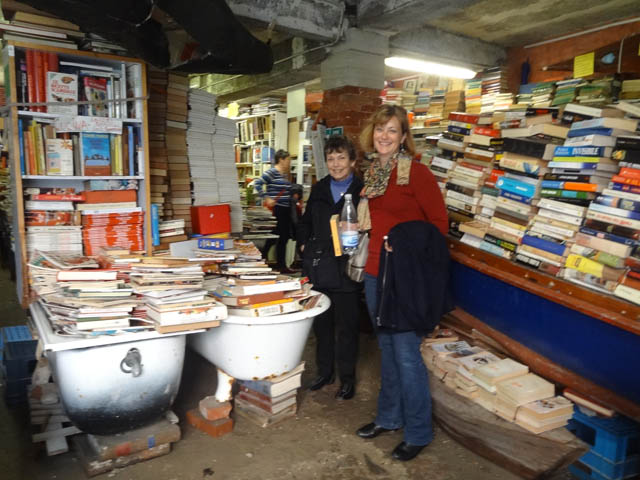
[382,116]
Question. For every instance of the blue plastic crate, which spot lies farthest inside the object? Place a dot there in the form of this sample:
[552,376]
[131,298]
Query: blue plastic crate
[626,469]
[15,391]
[615,439]
[19,333]
[19,359]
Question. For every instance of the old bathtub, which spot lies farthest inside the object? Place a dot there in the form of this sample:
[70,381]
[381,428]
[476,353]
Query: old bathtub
[254,348]
[112,384]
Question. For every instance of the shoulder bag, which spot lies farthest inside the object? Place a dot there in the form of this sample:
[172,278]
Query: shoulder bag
[358,260]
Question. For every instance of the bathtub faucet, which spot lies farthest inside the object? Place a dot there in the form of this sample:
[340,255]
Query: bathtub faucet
[132,363]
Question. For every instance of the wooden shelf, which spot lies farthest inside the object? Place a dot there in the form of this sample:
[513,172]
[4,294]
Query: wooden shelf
[27,113]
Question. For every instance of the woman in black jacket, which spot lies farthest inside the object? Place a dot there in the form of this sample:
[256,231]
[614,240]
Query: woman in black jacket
[327,272]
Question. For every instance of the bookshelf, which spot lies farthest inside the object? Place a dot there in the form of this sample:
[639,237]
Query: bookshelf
[105,126]
[258,138]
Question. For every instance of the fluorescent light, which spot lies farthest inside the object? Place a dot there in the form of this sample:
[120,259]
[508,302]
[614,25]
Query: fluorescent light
[432,68]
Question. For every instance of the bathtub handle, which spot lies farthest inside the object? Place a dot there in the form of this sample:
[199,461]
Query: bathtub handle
[132,363]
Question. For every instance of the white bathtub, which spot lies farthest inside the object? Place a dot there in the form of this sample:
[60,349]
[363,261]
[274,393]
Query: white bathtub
[255,348]
[113,384]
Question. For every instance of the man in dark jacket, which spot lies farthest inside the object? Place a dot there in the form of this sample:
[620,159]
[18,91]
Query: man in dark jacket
[327,272]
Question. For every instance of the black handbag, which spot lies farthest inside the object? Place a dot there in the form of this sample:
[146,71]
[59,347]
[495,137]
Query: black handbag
[322,267]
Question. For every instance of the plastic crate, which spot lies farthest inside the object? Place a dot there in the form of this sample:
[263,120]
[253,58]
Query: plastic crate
[15,391]
[19,359]
[615,439]
[19,333]
[626,469]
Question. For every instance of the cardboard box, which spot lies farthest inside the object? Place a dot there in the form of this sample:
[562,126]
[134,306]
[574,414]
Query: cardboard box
[209,219]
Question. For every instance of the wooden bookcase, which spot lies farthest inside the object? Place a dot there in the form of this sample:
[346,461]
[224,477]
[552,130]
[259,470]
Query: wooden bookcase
[13,112]
[254,132]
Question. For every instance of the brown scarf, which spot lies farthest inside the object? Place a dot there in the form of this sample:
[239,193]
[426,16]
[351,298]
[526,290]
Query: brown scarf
[376,180]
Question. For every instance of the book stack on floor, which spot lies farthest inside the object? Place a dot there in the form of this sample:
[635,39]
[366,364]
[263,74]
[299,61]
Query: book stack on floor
[268,402]
[494,87]
[421,107]
[226,171]
[204,176]
[52,224]
[170,231]
[111,218]
[179,195]
[436,104]
[104,453]
[173,293]
[453,102]
[502,386]
[41,30]
[157,81]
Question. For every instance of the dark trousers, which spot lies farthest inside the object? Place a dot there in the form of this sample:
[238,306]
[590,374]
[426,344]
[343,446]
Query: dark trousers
[283,230]
[336,333]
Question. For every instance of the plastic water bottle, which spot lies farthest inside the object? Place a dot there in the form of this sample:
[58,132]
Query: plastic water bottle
[348,226]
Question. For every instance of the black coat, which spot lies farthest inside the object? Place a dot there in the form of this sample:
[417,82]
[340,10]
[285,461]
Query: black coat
[413,280]
[324,269]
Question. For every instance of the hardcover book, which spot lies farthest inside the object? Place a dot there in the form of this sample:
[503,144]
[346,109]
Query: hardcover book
[59,156]
[95,90]
[62,88]
[96,154]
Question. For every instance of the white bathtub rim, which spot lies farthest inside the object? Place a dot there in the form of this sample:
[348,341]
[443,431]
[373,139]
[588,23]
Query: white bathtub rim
[323,305]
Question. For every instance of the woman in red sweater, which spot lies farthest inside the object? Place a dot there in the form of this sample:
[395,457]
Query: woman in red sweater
[397,190]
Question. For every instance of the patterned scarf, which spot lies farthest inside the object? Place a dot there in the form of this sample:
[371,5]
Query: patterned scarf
[376,180]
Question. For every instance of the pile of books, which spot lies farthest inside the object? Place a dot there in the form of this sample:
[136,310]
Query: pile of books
[473,96]
[268,402]
[41,30]
[225,168]
[111,218]
[267,105]
[502,386]
[258,220]
[630,89]
[178,200]
[158,164]
[566,91]
[204,178]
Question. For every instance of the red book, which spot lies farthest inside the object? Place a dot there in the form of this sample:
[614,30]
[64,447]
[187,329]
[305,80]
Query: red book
[40,93]
[486,131]
[628,172]
[472,166]
[464,117]
[625,180]
[631,282]
[52,60]
[31,79]
[110,196]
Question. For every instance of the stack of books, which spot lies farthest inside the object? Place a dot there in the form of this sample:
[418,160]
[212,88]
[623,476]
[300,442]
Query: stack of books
[225,168]
[598,92]
[268,402]
[566,91]
[258,220]
[170,231]
[544,415]
[436,104]
[473,96]
[422,102]
[204,178]
[178,199]
[630,89]
[41,30]
[542,94]
[158,163]
[516,392]
[453,102]
[111,218]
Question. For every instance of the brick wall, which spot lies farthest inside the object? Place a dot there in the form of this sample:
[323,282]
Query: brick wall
[349,107]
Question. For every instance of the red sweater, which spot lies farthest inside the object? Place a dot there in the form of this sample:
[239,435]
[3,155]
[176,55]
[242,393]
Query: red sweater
[420,200]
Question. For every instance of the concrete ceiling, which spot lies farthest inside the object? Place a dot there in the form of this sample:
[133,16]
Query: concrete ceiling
[473,32]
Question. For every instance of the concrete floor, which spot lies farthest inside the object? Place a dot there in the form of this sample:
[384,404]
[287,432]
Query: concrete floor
[317,444]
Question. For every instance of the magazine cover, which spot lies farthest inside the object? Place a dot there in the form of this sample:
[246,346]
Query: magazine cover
[62,88]
[96,154]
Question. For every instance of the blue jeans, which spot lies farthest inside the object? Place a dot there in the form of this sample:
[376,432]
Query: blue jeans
[404,400]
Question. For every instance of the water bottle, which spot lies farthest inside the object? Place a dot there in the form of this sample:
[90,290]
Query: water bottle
[348,226]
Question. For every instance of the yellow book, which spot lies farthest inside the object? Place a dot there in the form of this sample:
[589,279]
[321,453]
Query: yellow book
[335,235]
[268,304]
[583,264]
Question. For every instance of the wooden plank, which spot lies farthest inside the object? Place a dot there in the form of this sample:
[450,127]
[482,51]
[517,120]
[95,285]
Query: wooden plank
[507,444]
[41,437]
[56,445]
[43,419]
[550,370]
[607,308]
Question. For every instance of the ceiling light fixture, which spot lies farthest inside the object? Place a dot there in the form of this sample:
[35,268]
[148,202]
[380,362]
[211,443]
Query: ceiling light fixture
[432,68]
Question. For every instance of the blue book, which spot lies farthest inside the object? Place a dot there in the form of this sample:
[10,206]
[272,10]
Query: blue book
[623,187]
[155,225]
[515,186]
[542,244]
[95,151]
[132,150]
[495,249]
[23,167]
[461,130]
[515,196]
[618,202]
[215,243]
[561,151]
[581,132]
[609,236]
